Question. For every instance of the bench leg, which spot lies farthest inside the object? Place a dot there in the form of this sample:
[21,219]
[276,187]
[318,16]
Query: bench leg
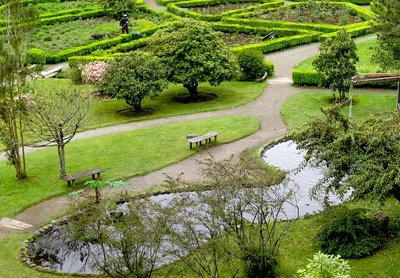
[190,145]
[73,182]
[93,177]
[98,176]
[197,145]
[215,139]
[69,183]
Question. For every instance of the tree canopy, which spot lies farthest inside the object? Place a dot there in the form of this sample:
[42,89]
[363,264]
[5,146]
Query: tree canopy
[336,61]
[361,158]
[194,53]
[134,77]
[387,28]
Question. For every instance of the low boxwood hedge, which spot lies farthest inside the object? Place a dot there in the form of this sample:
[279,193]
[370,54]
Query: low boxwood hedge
[357,2]
[324,28]
[178,8]
[270,67]
[312,78]
[75,61]
[280,43]
[354,32]
[35,56]
[259,31]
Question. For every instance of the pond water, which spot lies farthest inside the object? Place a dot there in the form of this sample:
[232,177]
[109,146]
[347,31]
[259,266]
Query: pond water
[56,250]
[287,157]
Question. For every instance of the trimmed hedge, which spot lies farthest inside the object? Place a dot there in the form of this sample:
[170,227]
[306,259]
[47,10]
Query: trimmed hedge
[177,8]
[324,28]
[280,43]
[129,46]
[376,8]
[271,5]
[35,56]
[260,31]
[357,2]
[75,61]
[312,78]
[354,32]
[63,55]
[270,67]
[306,77]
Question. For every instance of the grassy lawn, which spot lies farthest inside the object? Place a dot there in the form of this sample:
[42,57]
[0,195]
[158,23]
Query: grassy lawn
[104,112]
[120,155]
[364,52]
[298,109]
[53,38]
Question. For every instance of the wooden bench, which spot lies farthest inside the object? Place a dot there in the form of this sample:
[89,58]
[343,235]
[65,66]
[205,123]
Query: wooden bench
[206,137]
[51,73]
[87,173]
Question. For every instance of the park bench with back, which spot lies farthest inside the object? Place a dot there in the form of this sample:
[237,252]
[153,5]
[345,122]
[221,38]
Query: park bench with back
[92,172]
[206,137]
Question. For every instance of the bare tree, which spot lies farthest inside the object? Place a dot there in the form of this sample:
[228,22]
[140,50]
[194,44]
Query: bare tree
[56,117]
[20,21]
[240,217]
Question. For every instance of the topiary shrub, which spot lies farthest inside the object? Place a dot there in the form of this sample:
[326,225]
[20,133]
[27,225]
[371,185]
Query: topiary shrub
[251,64]
[35,56]
[350,233]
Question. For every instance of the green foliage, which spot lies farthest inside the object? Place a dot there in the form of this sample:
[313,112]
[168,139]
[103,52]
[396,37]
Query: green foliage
[349,233]
[251,64]
[35,56]
[134,77]
[260,265]
[337,62]
[194,53]
[325,266]
[119,7]
[306,77]
[269,67]
[387,28]
[361,156]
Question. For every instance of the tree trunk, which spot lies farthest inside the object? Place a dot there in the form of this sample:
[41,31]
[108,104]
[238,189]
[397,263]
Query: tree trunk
[61,158]
[61,152]
[136,104]
[192,88]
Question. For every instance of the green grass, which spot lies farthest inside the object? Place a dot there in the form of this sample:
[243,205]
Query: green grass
[104,112]
[120,155]
[297,110]
[57,37]
[364,52]
[54,7]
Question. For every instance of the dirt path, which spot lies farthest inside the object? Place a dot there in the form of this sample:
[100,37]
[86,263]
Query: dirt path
[265,108]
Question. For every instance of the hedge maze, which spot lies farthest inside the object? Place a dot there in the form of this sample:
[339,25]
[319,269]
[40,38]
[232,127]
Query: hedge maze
[242,23]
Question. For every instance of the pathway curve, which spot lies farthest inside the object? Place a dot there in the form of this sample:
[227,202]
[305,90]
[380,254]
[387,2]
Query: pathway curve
[265,108]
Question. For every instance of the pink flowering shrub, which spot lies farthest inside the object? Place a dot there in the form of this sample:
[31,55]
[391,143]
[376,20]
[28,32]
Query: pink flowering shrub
[93,72]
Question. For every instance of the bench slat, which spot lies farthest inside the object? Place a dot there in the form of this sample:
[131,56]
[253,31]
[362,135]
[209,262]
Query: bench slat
[83,174]
[203,137]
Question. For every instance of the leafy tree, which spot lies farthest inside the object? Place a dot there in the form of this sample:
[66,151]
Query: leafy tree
[251,64]
[134,77]
[194,53]
[362,157]
[336,61]
[387,28]
[56,117]
[20,22]
[119,7]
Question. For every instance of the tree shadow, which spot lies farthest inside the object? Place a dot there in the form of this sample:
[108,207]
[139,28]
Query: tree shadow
[186,98]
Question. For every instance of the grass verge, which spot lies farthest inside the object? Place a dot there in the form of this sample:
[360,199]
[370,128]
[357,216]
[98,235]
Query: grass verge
[297,110]
[364,65]
[121,155]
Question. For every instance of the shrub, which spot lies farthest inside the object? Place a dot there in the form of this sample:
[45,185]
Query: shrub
[93,72]
[269,67]
[350,233]
[251,64]
[35,56]
[47,39]
[260,265]
[325,266]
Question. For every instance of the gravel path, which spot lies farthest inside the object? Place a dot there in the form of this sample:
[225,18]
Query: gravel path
[265,108]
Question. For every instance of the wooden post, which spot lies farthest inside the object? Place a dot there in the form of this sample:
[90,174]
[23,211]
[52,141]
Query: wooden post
[398,96]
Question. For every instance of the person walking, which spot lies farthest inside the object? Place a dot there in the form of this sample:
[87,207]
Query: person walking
[123,24]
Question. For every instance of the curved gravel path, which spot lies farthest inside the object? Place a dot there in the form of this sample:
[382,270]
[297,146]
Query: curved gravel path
[265,108]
